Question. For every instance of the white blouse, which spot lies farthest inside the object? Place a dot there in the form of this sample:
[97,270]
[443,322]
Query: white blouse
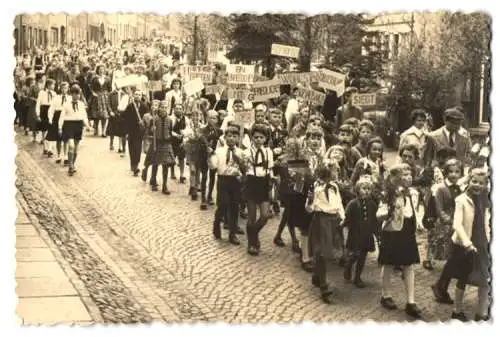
[45,97]
[57,104]
[255,167]
[68,113]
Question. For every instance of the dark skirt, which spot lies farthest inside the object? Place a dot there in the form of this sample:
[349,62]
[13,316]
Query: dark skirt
[178,149]
[297,214]
[115,127]
[322,234]
[100,106]
[43,124]
[72,130]
[257,189]
[360,238]
[162,156]
[31,117]
[53,132]
[399,248]
[468,267]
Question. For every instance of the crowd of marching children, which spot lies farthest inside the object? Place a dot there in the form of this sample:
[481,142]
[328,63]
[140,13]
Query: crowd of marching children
[326,181]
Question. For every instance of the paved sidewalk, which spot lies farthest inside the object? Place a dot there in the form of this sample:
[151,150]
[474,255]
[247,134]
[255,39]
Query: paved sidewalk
[46,294]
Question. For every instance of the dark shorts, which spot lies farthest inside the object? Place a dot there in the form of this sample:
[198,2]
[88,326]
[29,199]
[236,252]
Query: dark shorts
[257,189]
[72,130]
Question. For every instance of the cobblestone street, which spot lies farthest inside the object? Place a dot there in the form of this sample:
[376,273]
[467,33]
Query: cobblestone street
[143,256]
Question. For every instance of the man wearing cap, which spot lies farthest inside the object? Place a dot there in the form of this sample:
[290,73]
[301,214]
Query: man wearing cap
[449,135]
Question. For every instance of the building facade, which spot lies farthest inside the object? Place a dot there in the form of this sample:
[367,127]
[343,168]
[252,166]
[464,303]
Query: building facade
[43,30]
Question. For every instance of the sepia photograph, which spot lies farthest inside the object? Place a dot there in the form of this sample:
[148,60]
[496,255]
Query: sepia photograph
[252,168]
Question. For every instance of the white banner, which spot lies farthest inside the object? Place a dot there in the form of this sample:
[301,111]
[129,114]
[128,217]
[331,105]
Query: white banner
[204,72]
[311,96]
[364,99]
[243,94]
[129,81]
[332,81]
[294,78]
[265,90]
[238,73]
[284,50]
[194,86]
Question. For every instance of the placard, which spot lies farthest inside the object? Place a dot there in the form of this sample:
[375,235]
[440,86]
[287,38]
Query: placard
[284,50]
[239,73]
[243,94]
[364,99]
[265,90]
[311,96]
[155,86]
[194,86]
[244,118]
[204,72]
[214,89]
[294,78]
[258,78]
[129,81]
[332,81]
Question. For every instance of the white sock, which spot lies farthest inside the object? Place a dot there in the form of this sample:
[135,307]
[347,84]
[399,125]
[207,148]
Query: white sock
[304,245]
[409,281]
[385,274]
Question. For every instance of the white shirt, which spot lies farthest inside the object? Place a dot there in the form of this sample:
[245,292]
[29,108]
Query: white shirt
[45,97]
[220,162]
[57,104]
[254,167]
[68,113]
[291,109]
[330,205]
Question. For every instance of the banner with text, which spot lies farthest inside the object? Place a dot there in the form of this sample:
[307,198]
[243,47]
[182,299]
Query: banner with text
[214,89]
[284,50]
[332,81]
[193,86]
[129,81]
[243,94]
[204,72]
[245,118]
[294,78]
[239,73]
[364,99]
[265,90]
[312,96]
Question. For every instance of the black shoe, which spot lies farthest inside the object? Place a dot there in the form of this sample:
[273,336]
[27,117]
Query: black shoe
[412,310]
[359,283]
[327,295]
[253,250]
[144,175]
[66,162]
[459,316]
[478,318]
[210,202]
[194,196]
[49,154]
[182,180]
[154,187]
[428,265]
[279,242]
[276,208]
[173,177]
[203,206]
[308,266]
[71,171]
[136,172]
[233,239]
[45,152]
[441,296]
[239,231]
[165,191]
[315,280]
[58,161]
[243,215]
[388,303]
[226,227]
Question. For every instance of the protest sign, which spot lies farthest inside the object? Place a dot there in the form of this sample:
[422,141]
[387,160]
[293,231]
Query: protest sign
[193,86]
[238,73]
[311,96]
[364,99]
[243,94]
[129,81]
[332,81]
[265,90]
[294,78]
[244,118]
[258,77]
[213,89]
[284,50]
[204,72]
[155,86]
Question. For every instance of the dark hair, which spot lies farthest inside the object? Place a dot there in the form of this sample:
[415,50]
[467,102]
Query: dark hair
[366,123]
[100,66]
[323,172]
[353,121]
[232,128]
[175,80]
[260,128]
[416,113]
[75,89]
[452,162]
[237,101]
[49,82]
[410,147]
[346,128]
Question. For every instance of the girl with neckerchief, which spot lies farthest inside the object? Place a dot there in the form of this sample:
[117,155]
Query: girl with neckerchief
[99,103]
[53,135]
[71,122]
[43,102]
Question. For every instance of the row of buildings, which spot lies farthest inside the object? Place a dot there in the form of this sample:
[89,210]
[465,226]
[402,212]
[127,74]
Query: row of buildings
[43,30]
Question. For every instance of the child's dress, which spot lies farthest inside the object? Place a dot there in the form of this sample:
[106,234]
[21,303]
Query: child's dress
[361,222]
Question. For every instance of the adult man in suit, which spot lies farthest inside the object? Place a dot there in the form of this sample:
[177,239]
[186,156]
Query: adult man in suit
[450,135]
[134,127]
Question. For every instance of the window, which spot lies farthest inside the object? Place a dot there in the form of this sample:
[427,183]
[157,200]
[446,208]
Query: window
[30,32]
[54,36]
